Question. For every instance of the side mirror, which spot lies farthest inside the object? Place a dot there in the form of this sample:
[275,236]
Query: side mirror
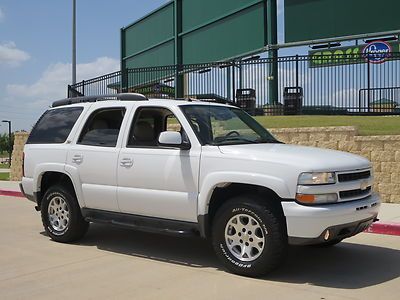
[173,139]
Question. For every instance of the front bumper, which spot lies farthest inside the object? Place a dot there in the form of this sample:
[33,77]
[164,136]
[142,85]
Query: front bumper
[310,222]
[337,232]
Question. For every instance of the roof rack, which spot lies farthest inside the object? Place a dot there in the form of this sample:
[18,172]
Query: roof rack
[121,97]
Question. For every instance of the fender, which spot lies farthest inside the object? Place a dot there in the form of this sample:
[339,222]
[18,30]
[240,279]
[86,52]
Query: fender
[73,174]
[42,168]
[211,181]
[60,168]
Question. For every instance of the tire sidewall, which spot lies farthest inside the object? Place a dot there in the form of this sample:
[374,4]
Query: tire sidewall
[250,268]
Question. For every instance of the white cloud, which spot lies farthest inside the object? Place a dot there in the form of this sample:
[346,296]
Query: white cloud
[52,84]
[2,16]
[11,55]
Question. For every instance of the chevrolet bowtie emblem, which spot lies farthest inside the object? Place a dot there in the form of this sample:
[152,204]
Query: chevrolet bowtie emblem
[364,185]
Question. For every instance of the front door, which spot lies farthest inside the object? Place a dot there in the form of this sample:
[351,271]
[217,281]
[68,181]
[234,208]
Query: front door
[157,181]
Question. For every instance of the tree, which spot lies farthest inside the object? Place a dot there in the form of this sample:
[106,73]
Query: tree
[4,145]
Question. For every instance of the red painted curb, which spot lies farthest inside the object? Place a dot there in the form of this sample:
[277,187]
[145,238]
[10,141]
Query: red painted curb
[11,193]
[377,227]
[385,228]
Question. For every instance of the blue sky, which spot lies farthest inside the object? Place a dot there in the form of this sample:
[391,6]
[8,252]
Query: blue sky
[35,49]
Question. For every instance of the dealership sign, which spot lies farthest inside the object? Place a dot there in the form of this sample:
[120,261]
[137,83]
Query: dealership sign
[376,52]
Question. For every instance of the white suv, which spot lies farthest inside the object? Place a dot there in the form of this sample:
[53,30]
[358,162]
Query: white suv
[191,168]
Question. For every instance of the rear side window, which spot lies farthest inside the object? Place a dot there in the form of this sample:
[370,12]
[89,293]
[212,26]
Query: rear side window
[102,128]
[54,126]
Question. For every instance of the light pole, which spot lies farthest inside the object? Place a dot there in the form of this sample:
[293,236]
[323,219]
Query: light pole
[9,140]
[73,42]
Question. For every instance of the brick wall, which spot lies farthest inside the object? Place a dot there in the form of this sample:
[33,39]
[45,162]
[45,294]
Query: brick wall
[17,155]
[383,151]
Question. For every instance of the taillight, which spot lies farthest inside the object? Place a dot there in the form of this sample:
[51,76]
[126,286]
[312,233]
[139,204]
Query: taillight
[23,164]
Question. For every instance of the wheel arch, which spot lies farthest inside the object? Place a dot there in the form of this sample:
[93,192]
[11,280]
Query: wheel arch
[223,192]
[47,179]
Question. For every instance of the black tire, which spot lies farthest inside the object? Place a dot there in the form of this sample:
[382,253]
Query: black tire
[75,228]
[271,225]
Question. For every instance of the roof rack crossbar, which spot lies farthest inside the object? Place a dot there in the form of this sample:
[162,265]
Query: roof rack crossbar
[121,97]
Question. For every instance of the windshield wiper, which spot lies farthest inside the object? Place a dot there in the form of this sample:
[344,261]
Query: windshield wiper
[235,138]
[272,141]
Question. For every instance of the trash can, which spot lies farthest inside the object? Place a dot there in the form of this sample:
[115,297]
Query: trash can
[246,100]
[292,100]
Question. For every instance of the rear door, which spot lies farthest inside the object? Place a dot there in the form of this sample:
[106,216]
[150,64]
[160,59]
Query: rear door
[94,155]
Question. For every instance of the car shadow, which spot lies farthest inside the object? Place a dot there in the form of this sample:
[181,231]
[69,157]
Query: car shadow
[345,266]
[188,251]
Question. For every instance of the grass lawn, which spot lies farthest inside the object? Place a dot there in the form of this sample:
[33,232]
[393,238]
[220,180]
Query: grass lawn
[4,176]
[4,166]
[367,125]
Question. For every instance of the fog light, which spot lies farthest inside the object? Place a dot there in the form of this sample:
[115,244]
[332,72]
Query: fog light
[327,234]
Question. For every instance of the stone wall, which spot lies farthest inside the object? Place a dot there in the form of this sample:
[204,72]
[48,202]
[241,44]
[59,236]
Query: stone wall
[383,151]
[17,155]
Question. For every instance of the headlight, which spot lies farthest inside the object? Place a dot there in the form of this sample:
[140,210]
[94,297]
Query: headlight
[317,178]
[317,199]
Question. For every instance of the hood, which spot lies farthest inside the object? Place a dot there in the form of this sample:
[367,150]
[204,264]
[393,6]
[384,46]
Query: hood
[306,158]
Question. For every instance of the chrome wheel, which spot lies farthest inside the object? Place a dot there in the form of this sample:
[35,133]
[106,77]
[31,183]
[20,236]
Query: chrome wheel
[244,237]
[58,212]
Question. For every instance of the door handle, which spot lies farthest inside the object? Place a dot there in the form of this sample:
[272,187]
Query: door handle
[126,162]
[77,158]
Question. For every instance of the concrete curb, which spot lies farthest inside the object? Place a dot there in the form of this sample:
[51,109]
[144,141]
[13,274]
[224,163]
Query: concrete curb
[11,193]
[388,228]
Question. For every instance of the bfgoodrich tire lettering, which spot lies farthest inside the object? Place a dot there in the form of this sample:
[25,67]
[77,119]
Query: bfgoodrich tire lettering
[249,236]
[61,215]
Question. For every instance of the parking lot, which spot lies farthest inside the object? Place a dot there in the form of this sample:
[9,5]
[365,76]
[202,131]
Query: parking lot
[113,263]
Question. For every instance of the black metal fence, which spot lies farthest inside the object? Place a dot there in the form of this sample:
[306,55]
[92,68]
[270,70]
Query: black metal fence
[340,84]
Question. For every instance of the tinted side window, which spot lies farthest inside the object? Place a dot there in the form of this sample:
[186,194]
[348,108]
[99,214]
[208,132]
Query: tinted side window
[102,128]
[54,126]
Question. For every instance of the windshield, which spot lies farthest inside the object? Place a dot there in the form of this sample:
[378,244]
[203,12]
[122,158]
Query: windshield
[222,125]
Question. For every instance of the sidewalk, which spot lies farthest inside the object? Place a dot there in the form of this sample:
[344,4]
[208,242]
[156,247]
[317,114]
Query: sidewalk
[9,185]
[389,215]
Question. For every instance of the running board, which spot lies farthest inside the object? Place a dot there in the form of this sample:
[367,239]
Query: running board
[141,223]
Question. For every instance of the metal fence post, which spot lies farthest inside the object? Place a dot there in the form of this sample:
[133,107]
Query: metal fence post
[83,87]
[233,82]
[240,66]
[369,83]
[297,70]
[228,82]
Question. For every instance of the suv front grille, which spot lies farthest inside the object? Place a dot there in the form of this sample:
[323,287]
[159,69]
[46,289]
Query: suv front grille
[359,193]
[354,176]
